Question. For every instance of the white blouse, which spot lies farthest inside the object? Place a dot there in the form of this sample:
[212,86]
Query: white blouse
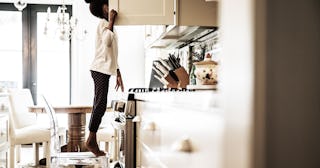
[106,54]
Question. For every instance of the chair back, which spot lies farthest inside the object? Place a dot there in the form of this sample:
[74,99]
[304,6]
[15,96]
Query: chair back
[54,128]
[20,100]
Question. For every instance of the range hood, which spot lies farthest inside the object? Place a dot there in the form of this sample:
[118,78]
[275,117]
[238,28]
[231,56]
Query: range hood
[180,36]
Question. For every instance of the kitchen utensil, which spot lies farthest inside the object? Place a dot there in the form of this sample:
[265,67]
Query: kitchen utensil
[158,62]
[158,72]
[162,69]
[163,62]
[174,61]
[162,80]
[170,64]
[165,71]
[167,66]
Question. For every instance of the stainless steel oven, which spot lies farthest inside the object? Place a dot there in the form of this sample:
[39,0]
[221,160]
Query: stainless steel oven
[126,131]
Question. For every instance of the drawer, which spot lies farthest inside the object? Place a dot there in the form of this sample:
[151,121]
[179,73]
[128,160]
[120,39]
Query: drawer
[148,159]
[167,131]
[148,131]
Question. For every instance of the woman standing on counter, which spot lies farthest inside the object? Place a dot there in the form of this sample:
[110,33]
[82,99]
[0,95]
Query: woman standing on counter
[104,65]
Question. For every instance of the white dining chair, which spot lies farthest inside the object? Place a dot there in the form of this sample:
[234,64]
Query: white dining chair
[24,128]
[106,133]
[61,159]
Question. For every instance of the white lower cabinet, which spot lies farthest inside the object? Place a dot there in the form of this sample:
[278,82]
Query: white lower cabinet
[170,136]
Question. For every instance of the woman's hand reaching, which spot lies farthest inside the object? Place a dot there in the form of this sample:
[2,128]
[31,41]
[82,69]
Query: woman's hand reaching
[119,81]
[113,15]
[112,18]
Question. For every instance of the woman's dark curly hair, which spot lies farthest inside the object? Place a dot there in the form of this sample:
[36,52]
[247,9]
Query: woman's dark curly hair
[96,7]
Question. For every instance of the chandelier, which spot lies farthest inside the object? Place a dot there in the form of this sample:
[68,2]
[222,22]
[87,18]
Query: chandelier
[61,24]
[20,4]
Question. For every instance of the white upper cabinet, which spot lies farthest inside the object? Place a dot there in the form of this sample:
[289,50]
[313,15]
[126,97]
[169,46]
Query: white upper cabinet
[165,12]
[142,12]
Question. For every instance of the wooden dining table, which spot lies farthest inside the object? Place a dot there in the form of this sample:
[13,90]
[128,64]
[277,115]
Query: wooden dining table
[76,125]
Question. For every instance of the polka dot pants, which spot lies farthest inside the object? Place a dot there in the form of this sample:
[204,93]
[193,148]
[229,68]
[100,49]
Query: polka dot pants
[101,85]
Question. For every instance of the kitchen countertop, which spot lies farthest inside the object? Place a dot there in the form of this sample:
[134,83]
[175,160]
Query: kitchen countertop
[200,99]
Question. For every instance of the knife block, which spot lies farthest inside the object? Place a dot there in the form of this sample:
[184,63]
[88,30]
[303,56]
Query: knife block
[171,82]
[183,77]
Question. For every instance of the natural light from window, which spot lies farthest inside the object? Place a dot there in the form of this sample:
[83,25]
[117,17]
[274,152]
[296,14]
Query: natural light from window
[10,49]
[53,64]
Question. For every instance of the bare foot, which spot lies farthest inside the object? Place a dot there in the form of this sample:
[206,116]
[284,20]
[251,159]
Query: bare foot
[94,149]
[92,145]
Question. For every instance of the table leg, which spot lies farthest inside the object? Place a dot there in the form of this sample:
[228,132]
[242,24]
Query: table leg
[76,132]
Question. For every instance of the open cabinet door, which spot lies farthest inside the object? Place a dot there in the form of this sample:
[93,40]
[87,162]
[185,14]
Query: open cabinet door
[143,12]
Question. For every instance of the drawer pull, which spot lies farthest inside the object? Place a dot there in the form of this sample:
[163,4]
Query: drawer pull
[183,145]
[151,126]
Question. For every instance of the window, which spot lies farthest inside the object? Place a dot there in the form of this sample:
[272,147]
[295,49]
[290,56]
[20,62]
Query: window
[10,49]
[29,59]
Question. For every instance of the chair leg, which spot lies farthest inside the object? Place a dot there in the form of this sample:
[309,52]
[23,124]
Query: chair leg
[44,147]
[11,156]
[112,148]
[106,147]
[62,139]
[47,154]
[18,153]
[36,153]
[116,145]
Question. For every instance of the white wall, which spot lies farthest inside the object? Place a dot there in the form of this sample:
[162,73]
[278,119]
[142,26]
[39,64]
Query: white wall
[131,57]
[237,80]
[82,55]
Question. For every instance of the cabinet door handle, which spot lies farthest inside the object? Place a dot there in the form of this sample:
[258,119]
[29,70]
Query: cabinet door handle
[183,145]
